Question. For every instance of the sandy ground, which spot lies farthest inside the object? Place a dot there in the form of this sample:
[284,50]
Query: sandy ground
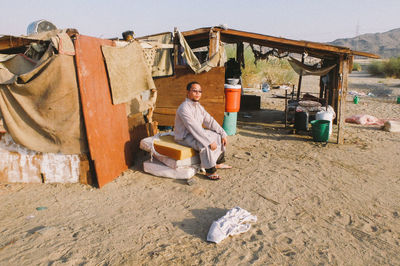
[315,204]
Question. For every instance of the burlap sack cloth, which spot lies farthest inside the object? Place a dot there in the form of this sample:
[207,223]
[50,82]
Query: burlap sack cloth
[41,108]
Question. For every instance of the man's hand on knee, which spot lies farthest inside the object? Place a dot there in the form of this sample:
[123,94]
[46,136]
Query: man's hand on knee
[213,146]
[224,141]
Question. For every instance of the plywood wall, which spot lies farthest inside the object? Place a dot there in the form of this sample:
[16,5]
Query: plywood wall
[172,92]
[106,123]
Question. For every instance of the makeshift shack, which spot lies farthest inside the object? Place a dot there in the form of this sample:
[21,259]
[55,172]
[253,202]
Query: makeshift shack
[73,107]
[335,62]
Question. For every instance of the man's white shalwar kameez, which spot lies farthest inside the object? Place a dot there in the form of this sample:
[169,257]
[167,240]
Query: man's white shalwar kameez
[189,131]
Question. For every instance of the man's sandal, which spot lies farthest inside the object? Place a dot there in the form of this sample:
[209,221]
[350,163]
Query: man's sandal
[223,166]
[213,176]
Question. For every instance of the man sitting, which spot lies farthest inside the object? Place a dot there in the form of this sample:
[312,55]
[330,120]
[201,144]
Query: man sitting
[210,143]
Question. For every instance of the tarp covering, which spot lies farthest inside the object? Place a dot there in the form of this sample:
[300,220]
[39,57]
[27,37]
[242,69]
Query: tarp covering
[127,72]
[63,44]
[305,70]
[162,65]
[218,59]
[41,108]
[16,64]
[45,35]
[6,77]
[143,102]
[6,57]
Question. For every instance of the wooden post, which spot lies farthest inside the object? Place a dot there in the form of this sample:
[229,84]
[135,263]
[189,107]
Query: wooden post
[214,43]
[300,78]
[286,108]
[351,63]
[176,46]
[335,87]
[342,98]
[240,53]
[321,88]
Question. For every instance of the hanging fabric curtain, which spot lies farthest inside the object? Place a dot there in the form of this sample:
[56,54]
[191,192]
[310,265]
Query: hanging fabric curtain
[217,59]
[305,70]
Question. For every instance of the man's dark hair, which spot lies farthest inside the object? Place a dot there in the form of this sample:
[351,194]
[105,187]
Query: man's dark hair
[189,86]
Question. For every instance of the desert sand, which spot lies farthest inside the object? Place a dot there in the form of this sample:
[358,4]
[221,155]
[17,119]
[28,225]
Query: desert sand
[315,204]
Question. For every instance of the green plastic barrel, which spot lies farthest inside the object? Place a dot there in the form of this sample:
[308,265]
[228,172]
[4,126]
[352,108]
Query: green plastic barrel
[320,130]
[229,124]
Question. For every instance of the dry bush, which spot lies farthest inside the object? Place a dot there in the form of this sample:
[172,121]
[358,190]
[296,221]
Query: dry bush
[273,71]
[357,67]
[387,68]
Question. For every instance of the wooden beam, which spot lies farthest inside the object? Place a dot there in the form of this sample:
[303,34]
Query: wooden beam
[365,54]
[303,44]
[152,35]
[255,36]
[196,31]
[200,37]
[234,36]
[282,47]
[10,42]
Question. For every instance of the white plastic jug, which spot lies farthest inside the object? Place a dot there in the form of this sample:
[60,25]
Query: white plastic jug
[324,115]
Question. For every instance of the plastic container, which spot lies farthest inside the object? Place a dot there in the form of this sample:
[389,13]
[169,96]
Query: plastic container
[229,124]
[356,99]
[398,99]
[232,98]
[301,121]
[324,115]
[232,81]
[265,87]
[320,130]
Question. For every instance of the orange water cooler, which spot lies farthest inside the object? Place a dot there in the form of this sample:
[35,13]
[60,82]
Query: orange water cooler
[232,106]
[232,98]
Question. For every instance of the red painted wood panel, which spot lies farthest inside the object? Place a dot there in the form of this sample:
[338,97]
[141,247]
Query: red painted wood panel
[106,124]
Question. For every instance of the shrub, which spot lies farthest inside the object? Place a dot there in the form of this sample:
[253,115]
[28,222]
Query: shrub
[376,68]
[392,67]
[272,71]
[357,67]
[388,68]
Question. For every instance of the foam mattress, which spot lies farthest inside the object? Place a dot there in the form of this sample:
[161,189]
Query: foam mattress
[167,146]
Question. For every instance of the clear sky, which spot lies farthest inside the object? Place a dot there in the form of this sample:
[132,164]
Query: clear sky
[313,20]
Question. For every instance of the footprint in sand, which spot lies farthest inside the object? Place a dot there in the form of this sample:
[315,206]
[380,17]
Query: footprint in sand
[289,253]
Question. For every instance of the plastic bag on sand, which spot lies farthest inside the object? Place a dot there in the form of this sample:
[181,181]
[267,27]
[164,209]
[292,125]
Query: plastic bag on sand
[392,126]
[234,222]
[365,120]
[157,168]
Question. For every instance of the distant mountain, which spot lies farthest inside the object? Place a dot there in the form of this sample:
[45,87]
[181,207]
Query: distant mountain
[386,44]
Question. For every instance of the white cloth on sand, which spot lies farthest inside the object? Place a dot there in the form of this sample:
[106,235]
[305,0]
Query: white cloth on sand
[189,120]
[234,222]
